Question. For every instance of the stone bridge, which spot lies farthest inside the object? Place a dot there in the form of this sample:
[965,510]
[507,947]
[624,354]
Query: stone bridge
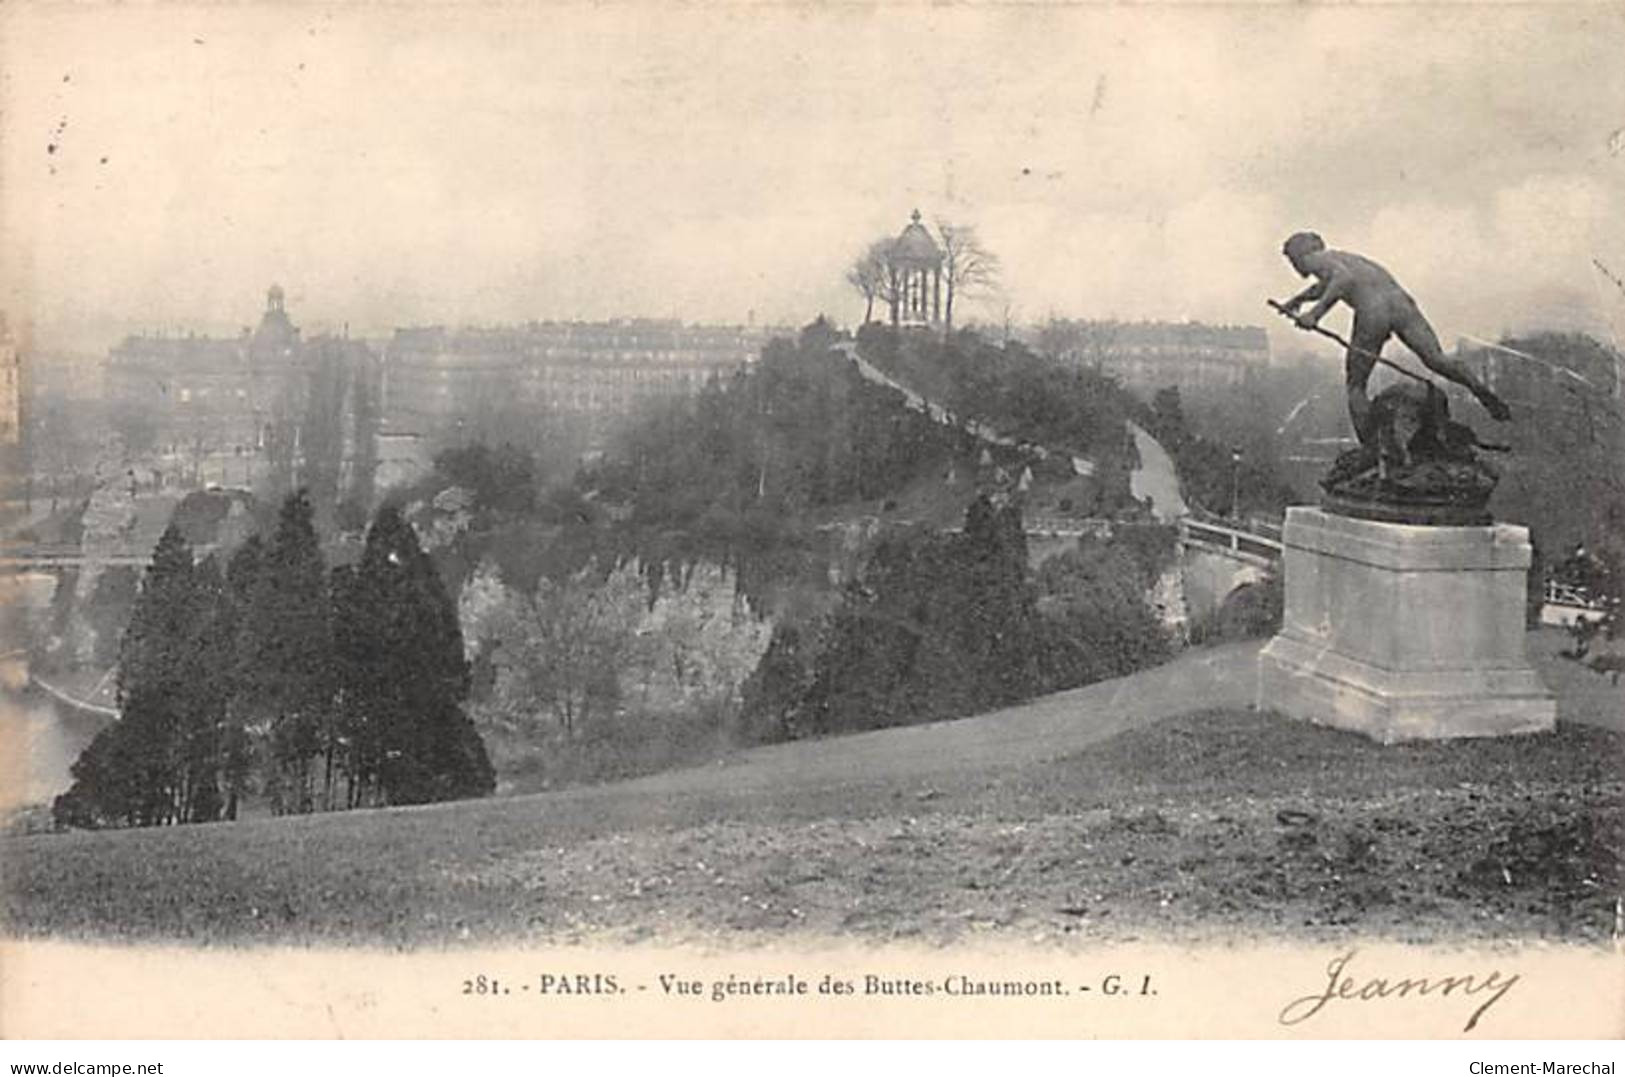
[1218,559]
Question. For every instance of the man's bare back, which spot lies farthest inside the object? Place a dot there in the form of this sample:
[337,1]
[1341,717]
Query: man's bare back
[1369,286]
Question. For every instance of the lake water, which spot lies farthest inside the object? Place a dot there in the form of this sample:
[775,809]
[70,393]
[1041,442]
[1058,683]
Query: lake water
[39,738]
[40,741]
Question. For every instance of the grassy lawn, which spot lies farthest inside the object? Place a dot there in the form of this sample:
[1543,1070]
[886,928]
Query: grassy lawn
[1223,823]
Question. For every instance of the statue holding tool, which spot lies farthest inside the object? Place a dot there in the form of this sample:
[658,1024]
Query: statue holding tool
[1413,464]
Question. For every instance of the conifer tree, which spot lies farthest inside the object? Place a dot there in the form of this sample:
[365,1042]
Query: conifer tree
[999,626]
[403,676]
[159,763]
[287,676]
[242,580]
[356,699]
[939,626]
[155,688]
[207,695]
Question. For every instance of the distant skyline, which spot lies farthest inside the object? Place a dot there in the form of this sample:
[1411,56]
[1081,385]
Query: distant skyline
[160,166]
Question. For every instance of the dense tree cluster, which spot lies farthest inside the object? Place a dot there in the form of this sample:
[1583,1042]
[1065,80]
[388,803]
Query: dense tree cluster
[742,473]
[731,476]
[944,625]
[939,625]
[1095,605]
[739,477]
[1562,478]
[318,691]
[503,480]
[936,624]
[1010,388]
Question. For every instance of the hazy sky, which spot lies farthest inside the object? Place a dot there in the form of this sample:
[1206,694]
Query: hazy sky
[412,164]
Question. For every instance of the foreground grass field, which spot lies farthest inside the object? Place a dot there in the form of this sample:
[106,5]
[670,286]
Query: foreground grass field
[1222,823]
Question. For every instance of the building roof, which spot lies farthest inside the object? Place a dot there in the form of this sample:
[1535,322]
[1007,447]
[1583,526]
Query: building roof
[1184,335]
[915,245]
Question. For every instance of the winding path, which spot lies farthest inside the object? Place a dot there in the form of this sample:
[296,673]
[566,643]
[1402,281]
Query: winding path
[1046,728]
[1042,729]
[1154,480]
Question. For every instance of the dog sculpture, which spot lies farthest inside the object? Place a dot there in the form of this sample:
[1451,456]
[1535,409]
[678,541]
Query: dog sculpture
[1412,423]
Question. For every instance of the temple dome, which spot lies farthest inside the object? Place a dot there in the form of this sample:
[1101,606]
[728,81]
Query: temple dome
[914,246]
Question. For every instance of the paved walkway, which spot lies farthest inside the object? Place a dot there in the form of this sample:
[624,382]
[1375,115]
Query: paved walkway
[1051,727]
[1156,478]
[1046,728]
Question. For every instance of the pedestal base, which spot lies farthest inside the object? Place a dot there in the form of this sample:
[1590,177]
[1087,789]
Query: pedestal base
[1404,632]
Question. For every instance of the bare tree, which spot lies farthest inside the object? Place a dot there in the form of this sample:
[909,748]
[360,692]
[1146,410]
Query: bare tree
[968,267]
[563,649]
[870,275]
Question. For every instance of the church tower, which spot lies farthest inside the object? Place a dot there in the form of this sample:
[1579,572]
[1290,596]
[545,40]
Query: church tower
[277,338]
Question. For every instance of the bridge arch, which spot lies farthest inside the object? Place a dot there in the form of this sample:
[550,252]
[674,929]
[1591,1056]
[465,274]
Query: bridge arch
[1223,566]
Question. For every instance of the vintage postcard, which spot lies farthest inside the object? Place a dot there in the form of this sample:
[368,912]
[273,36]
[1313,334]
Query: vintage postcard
[742,520]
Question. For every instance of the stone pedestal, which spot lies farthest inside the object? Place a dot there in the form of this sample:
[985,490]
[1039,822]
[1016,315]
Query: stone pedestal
[1404,632]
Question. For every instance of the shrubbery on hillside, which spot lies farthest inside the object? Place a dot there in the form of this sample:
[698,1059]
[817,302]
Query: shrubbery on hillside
[730,476]
[1020,394]
[944,625]
[939,625]
[1098,623]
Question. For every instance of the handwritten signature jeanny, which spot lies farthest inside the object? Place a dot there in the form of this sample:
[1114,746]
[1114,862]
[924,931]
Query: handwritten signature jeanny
[1343,987]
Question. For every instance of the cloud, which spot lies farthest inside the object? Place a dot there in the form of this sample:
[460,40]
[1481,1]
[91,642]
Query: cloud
[405,165]
[1552,219]
[1518,256]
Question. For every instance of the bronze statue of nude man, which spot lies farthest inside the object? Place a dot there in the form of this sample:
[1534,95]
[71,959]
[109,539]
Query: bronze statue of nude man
[1381,309]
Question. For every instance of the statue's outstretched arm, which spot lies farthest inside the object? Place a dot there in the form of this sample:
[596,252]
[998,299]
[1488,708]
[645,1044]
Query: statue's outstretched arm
[1333,290]
[1314,291]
